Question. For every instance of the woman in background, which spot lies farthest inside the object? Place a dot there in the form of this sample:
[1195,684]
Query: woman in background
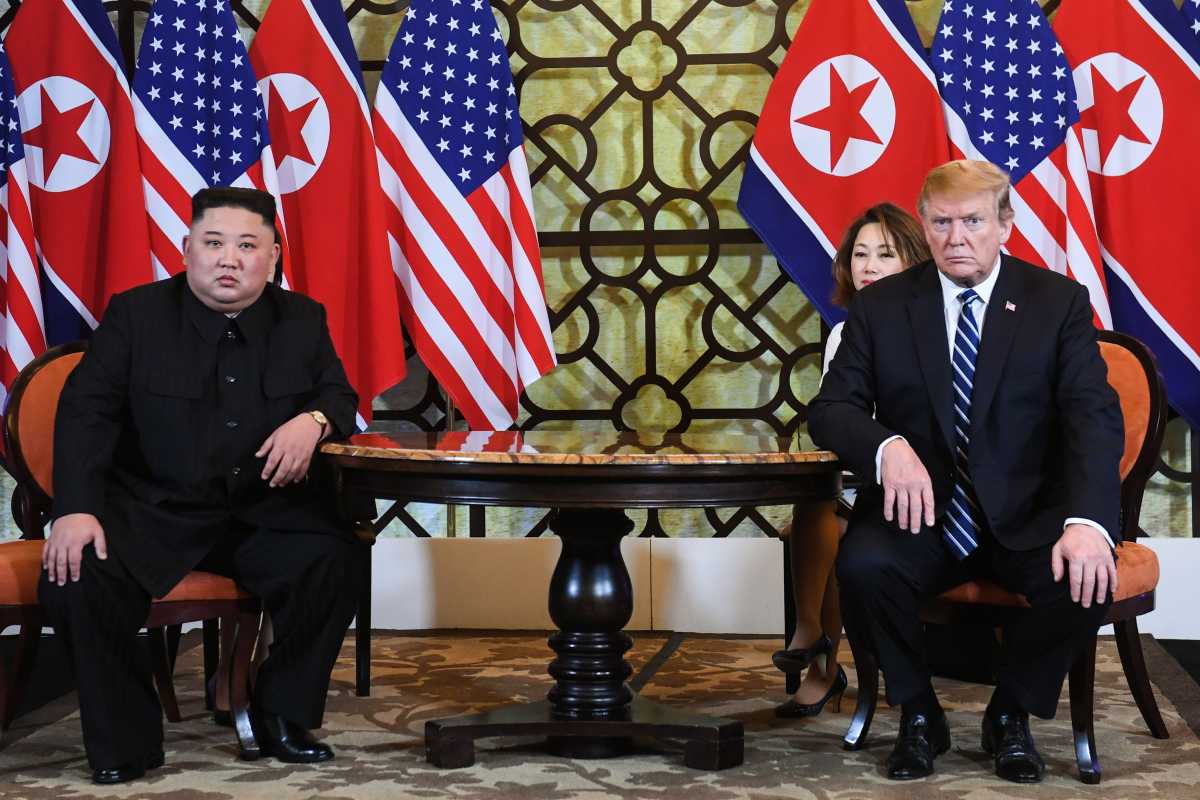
[881,242]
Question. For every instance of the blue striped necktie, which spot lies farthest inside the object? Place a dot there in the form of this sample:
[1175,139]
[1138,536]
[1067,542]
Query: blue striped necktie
[961,526]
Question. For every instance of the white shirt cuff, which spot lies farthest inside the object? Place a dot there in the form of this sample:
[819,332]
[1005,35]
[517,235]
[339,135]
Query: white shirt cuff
[1096,525]
[879,457]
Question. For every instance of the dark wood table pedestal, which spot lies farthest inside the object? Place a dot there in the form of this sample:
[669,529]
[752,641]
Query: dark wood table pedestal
[590,712]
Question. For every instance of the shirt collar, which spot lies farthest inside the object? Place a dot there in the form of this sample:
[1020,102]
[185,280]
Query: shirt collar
[951,290]
[253,321]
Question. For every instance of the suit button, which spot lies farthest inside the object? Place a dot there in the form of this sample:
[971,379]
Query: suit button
[230,379]
[231,424]
[236,471]
[230,335]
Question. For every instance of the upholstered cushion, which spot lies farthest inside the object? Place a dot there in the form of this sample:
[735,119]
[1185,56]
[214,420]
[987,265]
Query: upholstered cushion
[20,569]
[1128,377]
[1137,570]
[1137,573]
[983,592]
[35,422]
[21,566]
[204,586]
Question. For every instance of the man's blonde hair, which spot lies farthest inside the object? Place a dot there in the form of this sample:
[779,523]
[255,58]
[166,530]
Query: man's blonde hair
[963,177]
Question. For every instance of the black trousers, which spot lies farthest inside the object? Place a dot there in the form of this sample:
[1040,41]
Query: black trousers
[884,573]
[308,583]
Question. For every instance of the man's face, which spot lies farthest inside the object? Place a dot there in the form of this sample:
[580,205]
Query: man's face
[965,234]
[230,255]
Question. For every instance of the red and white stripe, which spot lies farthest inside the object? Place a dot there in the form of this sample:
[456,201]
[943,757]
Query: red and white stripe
[469,272]
[1054,224]
[24,325]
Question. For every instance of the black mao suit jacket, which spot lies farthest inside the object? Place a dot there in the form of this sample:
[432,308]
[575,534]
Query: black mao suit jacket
[158,425]
[1046,431]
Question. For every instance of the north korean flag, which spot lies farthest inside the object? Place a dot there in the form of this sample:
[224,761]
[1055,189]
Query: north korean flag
[333,204]
[852,118]
[81,150]
[1137,78]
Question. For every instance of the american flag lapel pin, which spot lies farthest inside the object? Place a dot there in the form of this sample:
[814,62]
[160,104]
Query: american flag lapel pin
[1009,305]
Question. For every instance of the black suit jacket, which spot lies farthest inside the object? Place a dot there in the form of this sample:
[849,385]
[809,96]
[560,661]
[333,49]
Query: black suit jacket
[158,425]
[1046,429]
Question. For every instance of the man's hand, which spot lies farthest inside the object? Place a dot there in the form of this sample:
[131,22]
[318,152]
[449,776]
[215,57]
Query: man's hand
[1093,573]
[906,486]
[289,450]
[63,551]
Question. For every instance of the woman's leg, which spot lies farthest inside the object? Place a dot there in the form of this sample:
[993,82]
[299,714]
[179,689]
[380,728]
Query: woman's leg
[824,669]
[815,531]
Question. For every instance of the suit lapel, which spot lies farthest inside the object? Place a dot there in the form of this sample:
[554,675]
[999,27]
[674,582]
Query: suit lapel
[928,320]
[1004,313]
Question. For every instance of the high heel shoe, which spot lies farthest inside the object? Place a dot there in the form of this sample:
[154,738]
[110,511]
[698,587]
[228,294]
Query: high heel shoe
[793,709]
[220,716]
[796,660]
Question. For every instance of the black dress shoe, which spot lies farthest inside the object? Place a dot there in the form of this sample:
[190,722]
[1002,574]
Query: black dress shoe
[288,741]
[127,772]
[922,739]
[793,709]
[797,659]
[1006,738]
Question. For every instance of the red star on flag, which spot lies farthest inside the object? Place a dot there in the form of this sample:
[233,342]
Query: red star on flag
[843,116]
[287,139]
[1109,115]
[58,134]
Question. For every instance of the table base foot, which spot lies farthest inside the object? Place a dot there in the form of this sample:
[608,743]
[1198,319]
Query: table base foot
[710,743]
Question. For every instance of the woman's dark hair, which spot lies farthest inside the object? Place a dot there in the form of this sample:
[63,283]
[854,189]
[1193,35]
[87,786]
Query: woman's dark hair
[899,228]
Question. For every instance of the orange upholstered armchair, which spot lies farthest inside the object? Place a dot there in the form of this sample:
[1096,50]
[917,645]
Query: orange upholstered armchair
[29,446]
[1132,373]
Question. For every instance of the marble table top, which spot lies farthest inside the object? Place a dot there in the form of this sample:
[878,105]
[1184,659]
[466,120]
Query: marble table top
[577,447]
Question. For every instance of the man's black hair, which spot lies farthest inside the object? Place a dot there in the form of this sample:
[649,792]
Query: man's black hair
[252,200]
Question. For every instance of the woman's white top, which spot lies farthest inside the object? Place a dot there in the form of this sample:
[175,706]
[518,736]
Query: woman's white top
[831,346]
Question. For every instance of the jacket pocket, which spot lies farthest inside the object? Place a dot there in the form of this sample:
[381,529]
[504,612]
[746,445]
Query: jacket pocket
[282,382]
[174,385]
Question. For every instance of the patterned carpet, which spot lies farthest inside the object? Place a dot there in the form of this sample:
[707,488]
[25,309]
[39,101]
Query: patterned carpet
[424,676]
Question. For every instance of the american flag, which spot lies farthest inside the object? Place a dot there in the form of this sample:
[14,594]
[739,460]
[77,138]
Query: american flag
[200,118]
[1191,12]
[23,335]
[1010,99]
[464,245]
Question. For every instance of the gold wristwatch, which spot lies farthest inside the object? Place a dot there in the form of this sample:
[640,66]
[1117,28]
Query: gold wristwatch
[321,419]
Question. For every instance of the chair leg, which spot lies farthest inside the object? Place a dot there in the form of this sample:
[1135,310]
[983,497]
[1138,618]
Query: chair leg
[867,669]
[212,657]
[174,634]
[1133,661]
[160,664]
[13,684]
[791,682]
[362,633]
[1082,691]
[239,683]
[8,696]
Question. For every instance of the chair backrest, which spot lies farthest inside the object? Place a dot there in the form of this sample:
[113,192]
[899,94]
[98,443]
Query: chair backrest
[29,419]
[1134,375]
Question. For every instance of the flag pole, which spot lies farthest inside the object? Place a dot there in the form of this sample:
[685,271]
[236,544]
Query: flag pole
[451,524]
